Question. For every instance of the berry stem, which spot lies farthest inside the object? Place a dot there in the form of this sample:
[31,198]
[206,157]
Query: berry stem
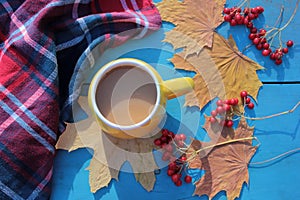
[276,157]
[274,115]
[292,16]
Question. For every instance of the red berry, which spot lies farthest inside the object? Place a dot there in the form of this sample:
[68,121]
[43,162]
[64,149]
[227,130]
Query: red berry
[170,172]
[251,16]
[259,46]
[233,22]
[164,139]
[219,102]
[265,52]
[183,158]
[188,179]
[250,24]
[254,10]
[235,101]
[229,123]
[248,100]
[238,17]
[266,46]
[252,36]
[212,120]
[172,166]
[226,11]
[227,101]
[157,142]
[227,18]
[175,177]
[246,11]
[227,107]
[165,132]
[289,43]
[256,40]
[244,94]
[166,156]
[285,50]
[182,136]
[253,30]
[272,56]
[278,61]
[232,102]
[250,105]
[214,113]
[260,9]
[168,147]
[246,20]
[178,183]
[262,32]
[220,109]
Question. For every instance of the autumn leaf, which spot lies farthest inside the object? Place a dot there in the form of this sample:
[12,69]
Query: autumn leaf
[224,159]
[222,71]
[109,153]
[195,22]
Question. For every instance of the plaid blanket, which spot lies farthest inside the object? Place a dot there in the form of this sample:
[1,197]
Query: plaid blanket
[45,47]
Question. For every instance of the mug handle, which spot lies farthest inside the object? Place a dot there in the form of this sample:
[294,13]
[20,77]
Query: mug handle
[178,87]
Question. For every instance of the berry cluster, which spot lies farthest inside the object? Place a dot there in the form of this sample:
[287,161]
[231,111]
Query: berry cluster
[169,143]
[235,16]
[226,109]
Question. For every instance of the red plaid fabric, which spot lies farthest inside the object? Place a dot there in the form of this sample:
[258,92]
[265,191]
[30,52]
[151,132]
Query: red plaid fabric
[45,46]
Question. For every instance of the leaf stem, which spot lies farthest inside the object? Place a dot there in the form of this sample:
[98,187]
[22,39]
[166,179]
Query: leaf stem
[195,153]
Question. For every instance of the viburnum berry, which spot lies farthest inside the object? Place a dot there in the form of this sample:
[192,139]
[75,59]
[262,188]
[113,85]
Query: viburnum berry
[212,120]
[175,177]
[266,52]
[289,43]
[244,94]
[266,45]
[250,105]
[285,50]
[214,113]
[248,100]
[157,142]
[227,11]
[220,109]
[170,172]
[188,179]
[229,123]
[278,61]
[227,107]
[219,102]
[178,183]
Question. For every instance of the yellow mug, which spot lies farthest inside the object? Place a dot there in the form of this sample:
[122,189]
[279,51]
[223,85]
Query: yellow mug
[128,97]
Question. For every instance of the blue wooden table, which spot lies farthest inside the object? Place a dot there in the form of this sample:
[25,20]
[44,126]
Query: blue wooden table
[276,180]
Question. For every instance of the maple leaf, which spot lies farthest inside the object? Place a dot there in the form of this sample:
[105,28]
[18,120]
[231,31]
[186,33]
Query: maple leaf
[222,71]
[109,153]
[195,22]
[224,158]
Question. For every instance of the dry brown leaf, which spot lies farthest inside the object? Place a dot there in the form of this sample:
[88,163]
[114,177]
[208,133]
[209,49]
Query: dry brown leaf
[225,160]
[109,153]
[221,71]
[195,22]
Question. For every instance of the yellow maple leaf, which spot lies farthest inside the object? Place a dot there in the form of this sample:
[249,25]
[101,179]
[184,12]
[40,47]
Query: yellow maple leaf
[109,153]
[226,165]
[222,71]
[195,22]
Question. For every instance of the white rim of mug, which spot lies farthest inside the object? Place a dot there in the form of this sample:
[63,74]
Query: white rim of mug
[107,68]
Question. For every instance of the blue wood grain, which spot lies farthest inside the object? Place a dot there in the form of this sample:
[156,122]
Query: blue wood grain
[274,180]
